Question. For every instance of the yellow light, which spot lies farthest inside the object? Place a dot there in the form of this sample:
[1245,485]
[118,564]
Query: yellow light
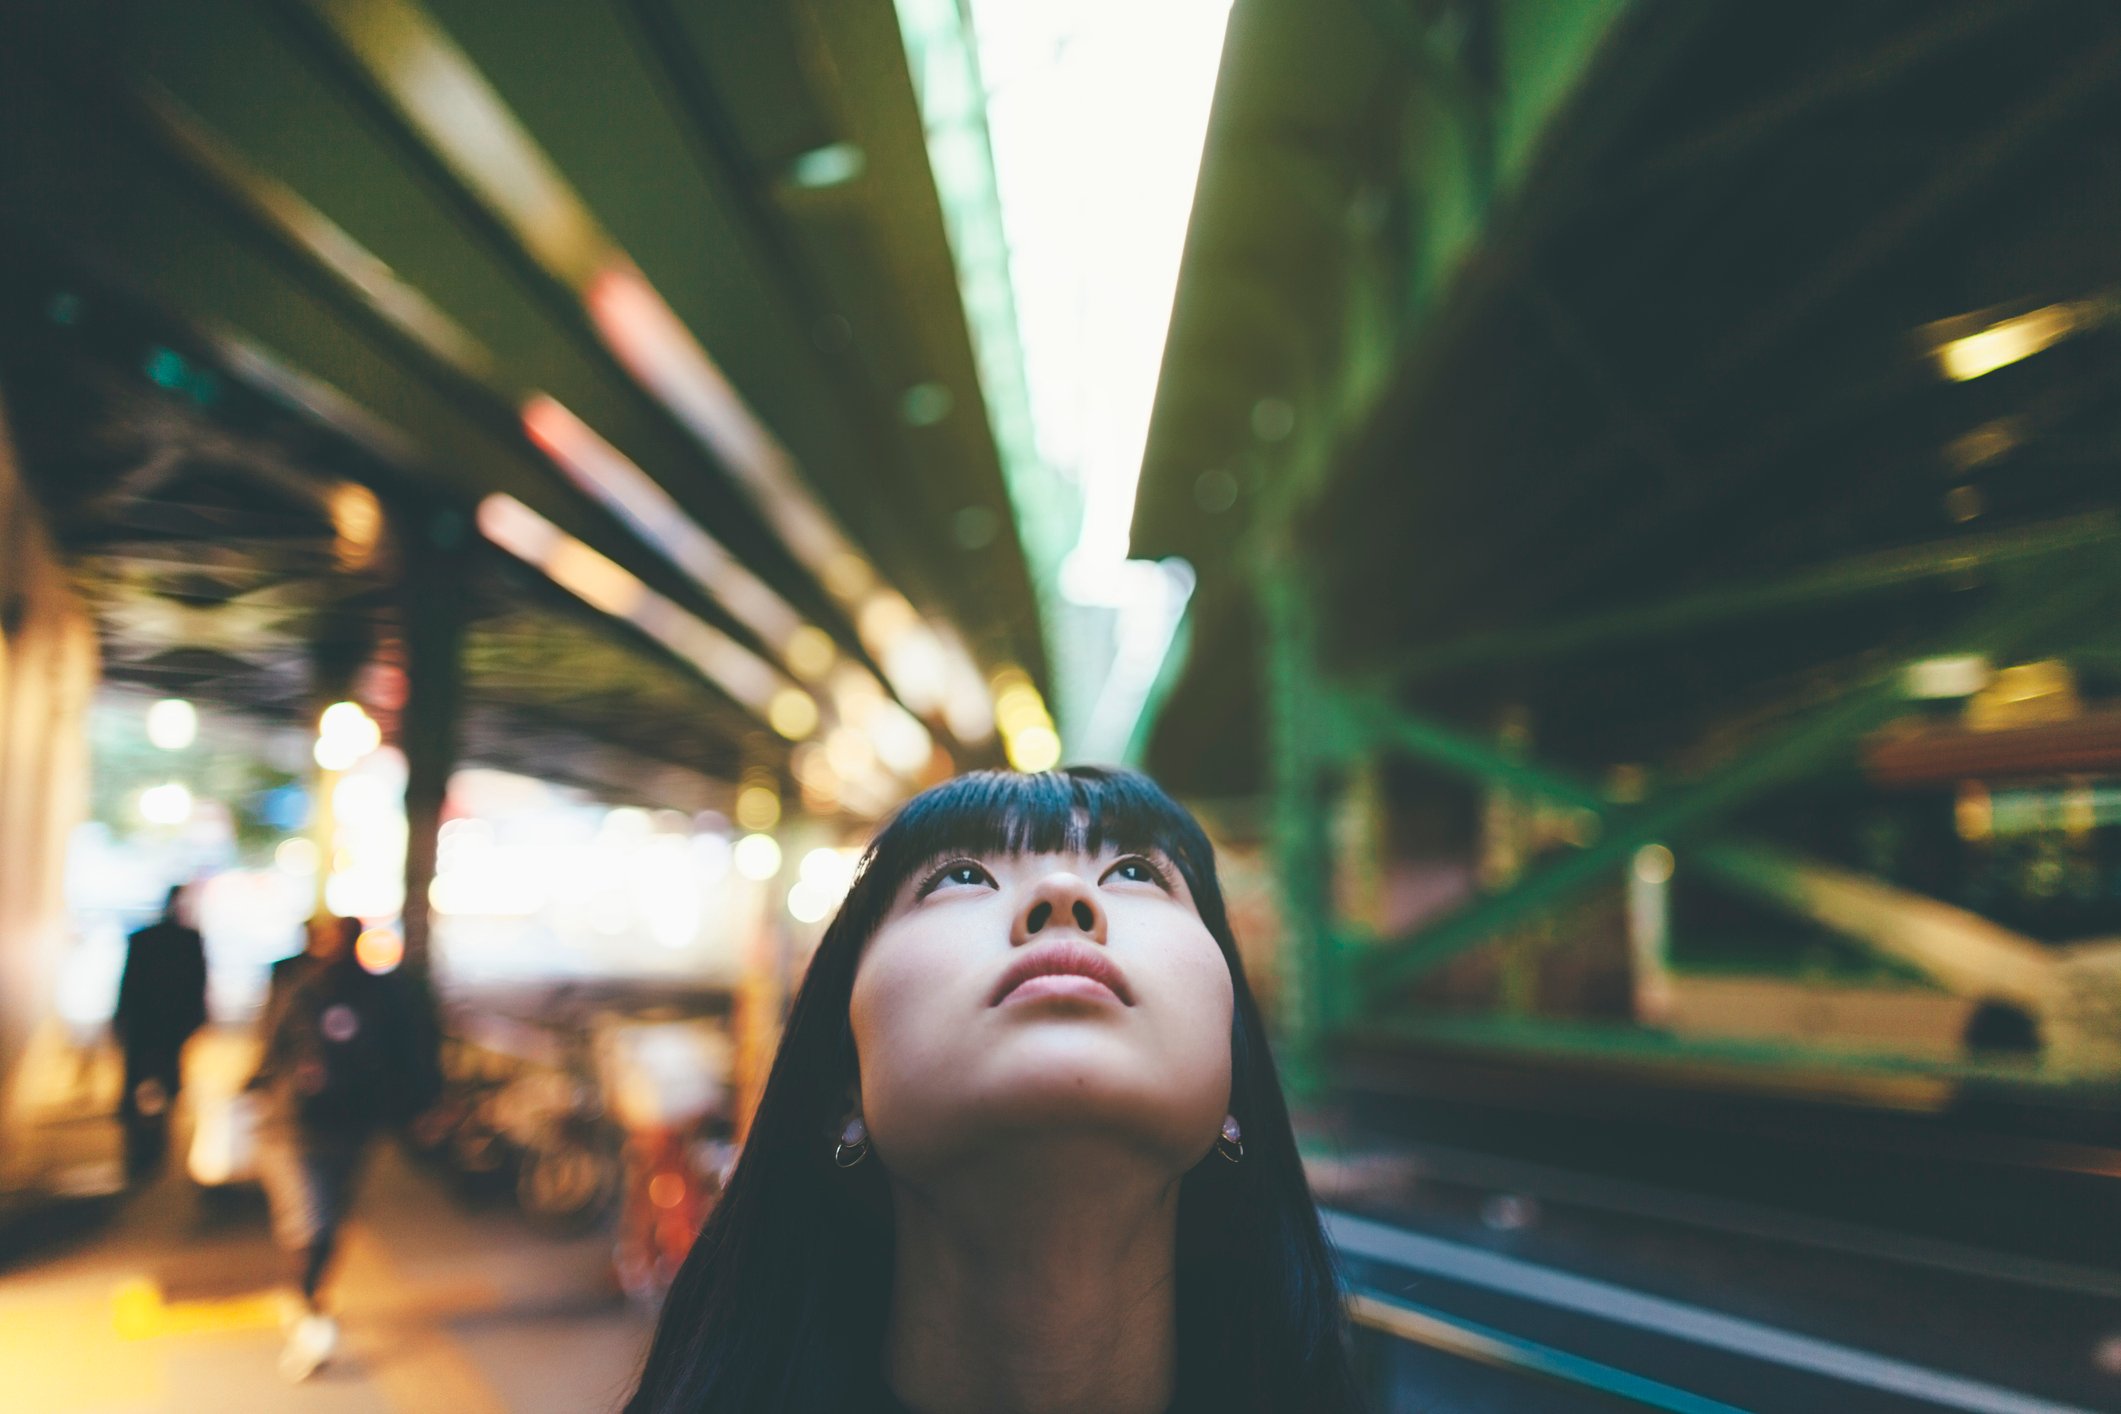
[379,950]
[345,734]
[821,792]
[808,763]
[594,579]
[792,713]
[1034,749]
[883,619]
[357,519]
[1020,708]
[809,901]
[758,857]
[758,807]
[1973,813]
[855,694]
[899,739]
[810,653]
[849,753]
[1654,864]
[172,724]
[847,576]
[2005,343]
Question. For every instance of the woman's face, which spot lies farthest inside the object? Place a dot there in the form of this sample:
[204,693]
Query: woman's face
[1008,998]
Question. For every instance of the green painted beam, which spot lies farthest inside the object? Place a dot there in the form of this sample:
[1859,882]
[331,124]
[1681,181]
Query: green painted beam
[1797,751]
[1362,719]
[1301,834]
[2029,617]
[1821,586]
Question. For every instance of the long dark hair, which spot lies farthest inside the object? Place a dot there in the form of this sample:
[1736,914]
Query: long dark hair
[780,1308]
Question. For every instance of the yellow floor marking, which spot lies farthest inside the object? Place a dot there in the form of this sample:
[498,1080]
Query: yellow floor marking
[138,1312]
[396,1324]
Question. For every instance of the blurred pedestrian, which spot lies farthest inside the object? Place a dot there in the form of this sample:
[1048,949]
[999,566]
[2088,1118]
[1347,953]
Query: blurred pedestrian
[347,1052]
[161,1002]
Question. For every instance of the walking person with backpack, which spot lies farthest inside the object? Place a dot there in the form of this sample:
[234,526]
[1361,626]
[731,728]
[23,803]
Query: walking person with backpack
[347,1052]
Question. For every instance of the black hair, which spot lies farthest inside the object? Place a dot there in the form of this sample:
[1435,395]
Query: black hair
[780,1308]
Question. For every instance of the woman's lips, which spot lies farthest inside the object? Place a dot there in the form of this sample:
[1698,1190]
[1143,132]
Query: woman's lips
[1059,986]
[1062,969]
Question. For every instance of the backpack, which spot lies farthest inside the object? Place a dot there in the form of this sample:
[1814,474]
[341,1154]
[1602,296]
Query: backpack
[345,1041]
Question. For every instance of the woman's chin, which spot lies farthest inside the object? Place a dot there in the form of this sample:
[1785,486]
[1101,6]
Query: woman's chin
[1078,1091]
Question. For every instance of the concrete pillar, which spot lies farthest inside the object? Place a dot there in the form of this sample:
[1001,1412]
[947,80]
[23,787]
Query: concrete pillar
[48,666]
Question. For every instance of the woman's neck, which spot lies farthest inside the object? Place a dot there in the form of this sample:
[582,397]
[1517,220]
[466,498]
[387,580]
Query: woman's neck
[1048,1287]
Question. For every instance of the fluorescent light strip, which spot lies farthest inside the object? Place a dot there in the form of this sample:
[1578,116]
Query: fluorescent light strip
[614,479]
[944,65]
[440,92]
[660,352]
[613,589]
[1098,111]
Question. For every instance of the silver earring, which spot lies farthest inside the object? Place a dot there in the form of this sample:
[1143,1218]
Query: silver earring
[854,1144]
[1231,1142]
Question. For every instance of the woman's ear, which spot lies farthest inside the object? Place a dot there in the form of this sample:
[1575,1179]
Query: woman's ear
[850,1110]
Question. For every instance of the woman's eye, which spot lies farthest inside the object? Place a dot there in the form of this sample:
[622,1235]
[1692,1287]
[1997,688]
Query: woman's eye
[961,871]
[1136,870]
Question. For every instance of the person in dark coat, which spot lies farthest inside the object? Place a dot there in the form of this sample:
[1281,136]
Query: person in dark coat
[347,1052]
[161,1002]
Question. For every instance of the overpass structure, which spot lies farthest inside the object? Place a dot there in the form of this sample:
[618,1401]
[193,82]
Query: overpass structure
[1650,472]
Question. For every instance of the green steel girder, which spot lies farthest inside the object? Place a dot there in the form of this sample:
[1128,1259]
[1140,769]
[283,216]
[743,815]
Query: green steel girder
[1358,721]
[2027,618]
[1826,584]
[1797,751]
[1301,839]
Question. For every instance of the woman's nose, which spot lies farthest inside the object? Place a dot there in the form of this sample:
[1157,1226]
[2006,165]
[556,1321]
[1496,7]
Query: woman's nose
[1061,903]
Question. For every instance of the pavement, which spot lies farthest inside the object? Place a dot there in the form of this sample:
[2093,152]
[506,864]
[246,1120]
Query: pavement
[170,1300]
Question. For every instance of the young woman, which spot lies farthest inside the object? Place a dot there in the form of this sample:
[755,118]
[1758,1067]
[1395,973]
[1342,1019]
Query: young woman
[1022,1148]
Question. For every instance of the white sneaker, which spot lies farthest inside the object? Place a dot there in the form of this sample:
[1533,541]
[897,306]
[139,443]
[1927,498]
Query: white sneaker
[309,1346]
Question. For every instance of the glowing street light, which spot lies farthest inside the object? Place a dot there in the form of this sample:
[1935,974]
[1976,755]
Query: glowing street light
[345,734]
[167,804]
[758,857]
[172,724]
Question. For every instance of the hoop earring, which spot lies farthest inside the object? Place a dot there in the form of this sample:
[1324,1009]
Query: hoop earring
[1231,1142]
[853,1146]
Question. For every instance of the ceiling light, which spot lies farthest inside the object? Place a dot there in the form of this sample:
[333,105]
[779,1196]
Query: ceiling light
[172,724]
[2005,343]
[834,164]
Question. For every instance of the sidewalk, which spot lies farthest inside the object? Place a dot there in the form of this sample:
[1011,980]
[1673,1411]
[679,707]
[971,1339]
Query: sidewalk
[171,1308]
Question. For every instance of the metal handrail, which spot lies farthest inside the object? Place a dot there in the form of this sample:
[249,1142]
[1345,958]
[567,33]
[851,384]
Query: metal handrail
[1472,1341]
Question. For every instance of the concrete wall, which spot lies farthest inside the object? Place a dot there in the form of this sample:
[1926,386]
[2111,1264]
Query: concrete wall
[47,672]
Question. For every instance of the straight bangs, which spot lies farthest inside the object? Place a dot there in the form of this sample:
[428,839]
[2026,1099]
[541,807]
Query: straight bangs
[1083,810]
